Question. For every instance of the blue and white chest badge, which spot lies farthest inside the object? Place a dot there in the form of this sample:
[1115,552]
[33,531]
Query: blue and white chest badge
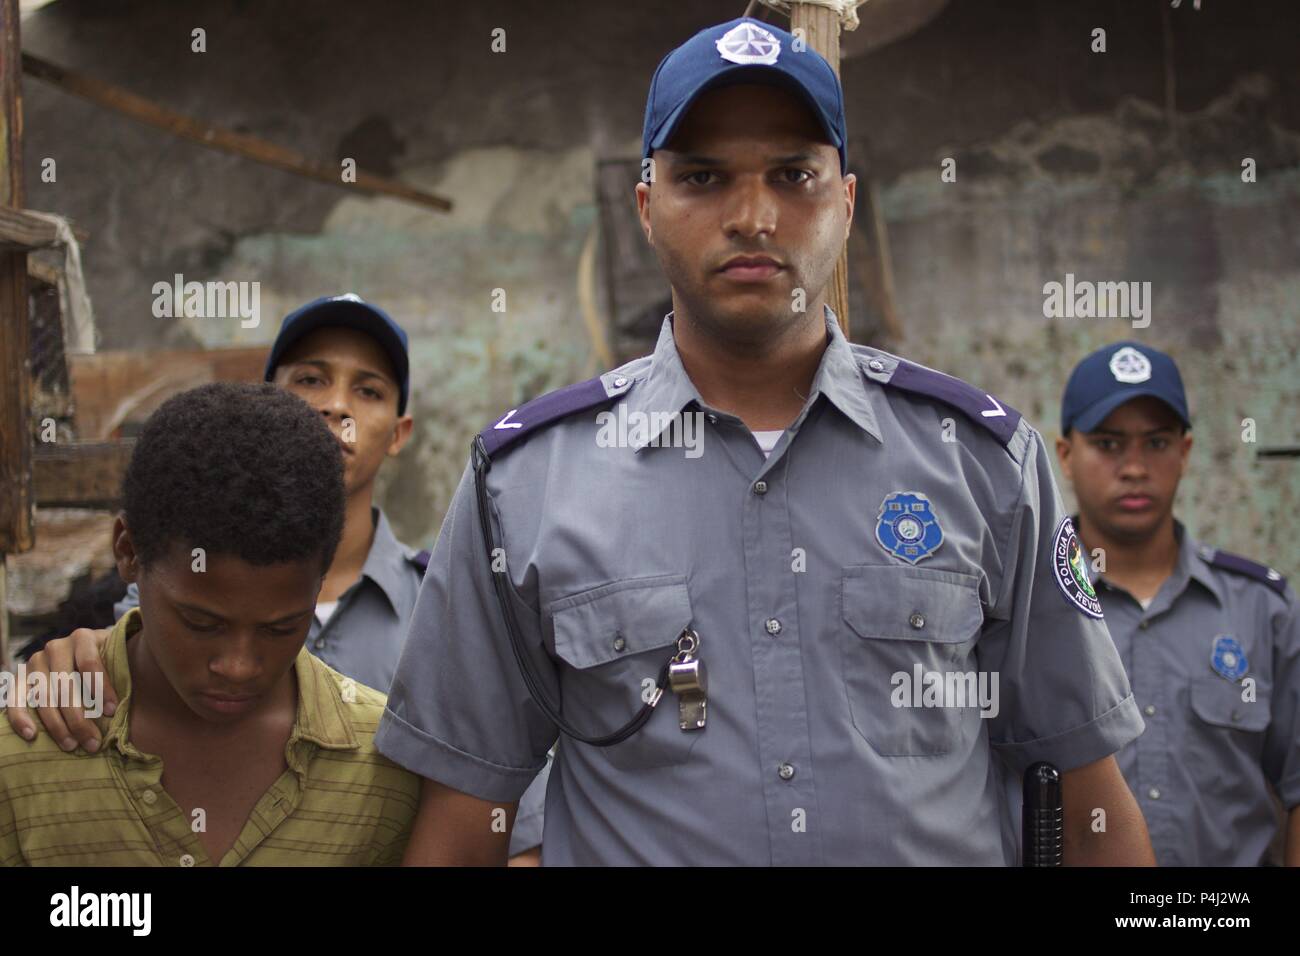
[1070,571]
[1227,658]
[749,43]
[907,526]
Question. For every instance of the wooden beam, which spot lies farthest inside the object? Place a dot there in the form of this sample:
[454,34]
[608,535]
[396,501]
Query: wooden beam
[21,230]
[113,387]
[219,138]
[39,271]
[821,31]
[81,474]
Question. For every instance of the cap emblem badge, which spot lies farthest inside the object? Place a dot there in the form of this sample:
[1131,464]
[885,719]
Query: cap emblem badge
[1130,366]
[749,43]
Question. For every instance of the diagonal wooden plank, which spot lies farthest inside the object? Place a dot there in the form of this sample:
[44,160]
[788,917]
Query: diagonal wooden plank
[218,137]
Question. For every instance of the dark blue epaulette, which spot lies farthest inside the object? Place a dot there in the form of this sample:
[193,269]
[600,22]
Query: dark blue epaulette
[1251,569]
[980,407]
[521,422]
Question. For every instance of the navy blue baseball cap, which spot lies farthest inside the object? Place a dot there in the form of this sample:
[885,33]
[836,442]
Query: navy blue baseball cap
[353,312]
[743,50]
[1115,374]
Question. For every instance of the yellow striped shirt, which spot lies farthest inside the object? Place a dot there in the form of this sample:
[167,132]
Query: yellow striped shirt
[339,803]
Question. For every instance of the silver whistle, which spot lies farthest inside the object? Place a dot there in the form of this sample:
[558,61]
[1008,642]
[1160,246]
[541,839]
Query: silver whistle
[689,681]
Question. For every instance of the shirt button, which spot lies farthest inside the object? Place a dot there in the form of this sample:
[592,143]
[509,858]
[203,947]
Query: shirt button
[1149,710]
[187,860]
[619,644]
[620,382]
[917,620]
[713,419]
[1142,626]
[760,487]
[785,771]
[876,365]
[1154,793]
[773,626]
[1236,716]
[149,797]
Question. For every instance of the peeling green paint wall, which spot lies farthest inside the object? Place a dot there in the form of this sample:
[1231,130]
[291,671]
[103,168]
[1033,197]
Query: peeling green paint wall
[1067,162]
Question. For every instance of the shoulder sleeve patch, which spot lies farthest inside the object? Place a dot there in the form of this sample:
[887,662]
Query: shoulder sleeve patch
[1239,565]
[545,409]
[980,407]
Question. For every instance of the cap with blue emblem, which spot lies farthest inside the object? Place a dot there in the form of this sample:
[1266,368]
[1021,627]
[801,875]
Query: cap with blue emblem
[742,51]
[353,312]
[1116,374]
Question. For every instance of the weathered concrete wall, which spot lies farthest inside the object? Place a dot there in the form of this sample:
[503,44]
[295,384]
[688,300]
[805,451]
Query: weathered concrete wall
[1067,162]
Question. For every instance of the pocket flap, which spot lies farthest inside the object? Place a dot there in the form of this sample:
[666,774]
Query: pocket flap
[1217,701]
[616,620]
[898,603]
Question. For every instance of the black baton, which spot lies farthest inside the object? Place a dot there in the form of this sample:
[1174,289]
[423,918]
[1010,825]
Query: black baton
[1042,817]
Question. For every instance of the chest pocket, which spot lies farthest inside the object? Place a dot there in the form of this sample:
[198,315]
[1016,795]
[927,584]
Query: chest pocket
[1217,701]
[615,639]
[908,658]
[1224,729]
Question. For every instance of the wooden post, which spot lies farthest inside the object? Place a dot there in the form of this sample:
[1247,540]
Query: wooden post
[821,31]
[16,514]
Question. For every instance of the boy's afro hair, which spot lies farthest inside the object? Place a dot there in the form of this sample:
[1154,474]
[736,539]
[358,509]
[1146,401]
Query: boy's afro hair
[236,469]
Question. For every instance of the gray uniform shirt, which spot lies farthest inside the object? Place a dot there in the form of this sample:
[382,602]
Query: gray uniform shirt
[363,639]
[1218,732]
[812,624]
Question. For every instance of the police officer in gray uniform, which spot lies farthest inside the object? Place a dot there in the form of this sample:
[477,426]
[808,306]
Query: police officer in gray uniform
[832,623]
[1210,640]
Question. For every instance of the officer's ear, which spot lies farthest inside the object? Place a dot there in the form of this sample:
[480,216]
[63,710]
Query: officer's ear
[1063,449]
[401,435]
[128,562]
[850,200]
[643,209]
[1185,450]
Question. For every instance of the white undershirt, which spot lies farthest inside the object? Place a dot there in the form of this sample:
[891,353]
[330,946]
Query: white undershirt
[325,610]
[767,440]
[1147,603]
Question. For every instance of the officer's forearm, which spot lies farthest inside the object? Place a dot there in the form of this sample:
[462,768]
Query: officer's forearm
[1293,837]
[1103,824]
[454,829]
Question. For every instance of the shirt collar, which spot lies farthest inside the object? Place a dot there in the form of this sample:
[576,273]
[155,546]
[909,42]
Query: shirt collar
[667,388]
[1190,565]
[1191,556]
[840,379]
[386,564]
[320,718]
[664,390]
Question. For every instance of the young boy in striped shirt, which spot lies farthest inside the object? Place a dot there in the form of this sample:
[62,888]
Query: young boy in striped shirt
[231,745]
